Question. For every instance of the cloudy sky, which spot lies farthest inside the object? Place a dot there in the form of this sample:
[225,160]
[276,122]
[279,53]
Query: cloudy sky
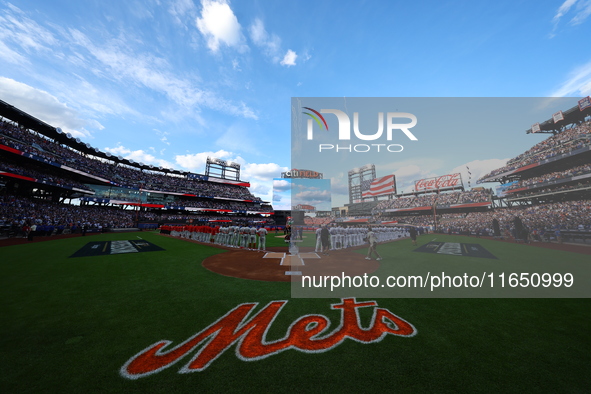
[172,82]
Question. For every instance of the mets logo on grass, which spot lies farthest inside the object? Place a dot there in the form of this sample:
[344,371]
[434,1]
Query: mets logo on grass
[309,334]
[388,127]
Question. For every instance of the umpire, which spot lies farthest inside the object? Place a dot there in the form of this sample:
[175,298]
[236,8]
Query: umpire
[413,235]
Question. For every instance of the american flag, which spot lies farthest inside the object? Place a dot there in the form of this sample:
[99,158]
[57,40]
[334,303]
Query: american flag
[378,187]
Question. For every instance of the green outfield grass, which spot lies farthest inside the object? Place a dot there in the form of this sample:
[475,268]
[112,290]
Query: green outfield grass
[70,324]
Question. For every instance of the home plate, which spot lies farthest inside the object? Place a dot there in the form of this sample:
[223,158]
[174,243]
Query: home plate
[292,260]
[272,255]
[293,272]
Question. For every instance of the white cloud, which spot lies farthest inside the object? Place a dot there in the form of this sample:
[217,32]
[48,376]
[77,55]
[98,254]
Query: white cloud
[262,190]
[477,169]
[409,171]
[92,99]
[219,25]
[139,9]
[196,161]
[45,107]
[563,9]
[162,135]
[313,195]
[258,34]
[114,57]
[289,59]
[282,185]
[408,174]
[578,83]
[10,56]
[27,33]
[281,194]
[582,10]
[139,156]
[321,201]
[262,171]
[260,175]
[18,30]
[124,65]
[180,9]
[270,44]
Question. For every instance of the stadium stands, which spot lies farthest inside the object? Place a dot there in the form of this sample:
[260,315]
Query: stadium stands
[568,141]
[37,170]
[56,218]
[441,200]
[548,189]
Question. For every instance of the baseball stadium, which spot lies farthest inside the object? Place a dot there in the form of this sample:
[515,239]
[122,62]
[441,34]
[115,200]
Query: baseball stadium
[159,280]
[227,196]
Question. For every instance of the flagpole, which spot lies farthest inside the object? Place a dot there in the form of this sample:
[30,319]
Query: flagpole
[435,213]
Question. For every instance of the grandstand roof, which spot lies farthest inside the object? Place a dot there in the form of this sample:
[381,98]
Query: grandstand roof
[572,115]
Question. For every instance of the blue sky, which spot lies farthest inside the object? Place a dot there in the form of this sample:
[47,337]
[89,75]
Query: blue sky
[171,82]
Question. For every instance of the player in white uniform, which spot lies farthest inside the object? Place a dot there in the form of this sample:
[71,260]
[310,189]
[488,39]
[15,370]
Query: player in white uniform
[262,232]
[333,238]
[318,240]
[359,237]
[235,241]
[252,238]
[223,236]
[245,235]
[350,232]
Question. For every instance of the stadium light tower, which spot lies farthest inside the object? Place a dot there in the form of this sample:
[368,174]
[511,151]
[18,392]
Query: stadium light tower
[356,177]
[219,168]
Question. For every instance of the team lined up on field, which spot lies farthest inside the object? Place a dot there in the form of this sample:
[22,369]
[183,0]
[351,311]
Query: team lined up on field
[347,237]
[231,236]
[253,238]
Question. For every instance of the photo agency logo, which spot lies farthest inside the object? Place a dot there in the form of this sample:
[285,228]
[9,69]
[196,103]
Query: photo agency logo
[373,141]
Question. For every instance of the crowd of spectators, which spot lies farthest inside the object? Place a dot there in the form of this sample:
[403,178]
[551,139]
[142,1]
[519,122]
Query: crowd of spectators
[50,217]
[224,204]
[570,187]
[427,200]
[41,176]
[572,215]
[552,176]
[159,217]
[405,202]
[563,142]
[317,221]
[15,212]
[124,175]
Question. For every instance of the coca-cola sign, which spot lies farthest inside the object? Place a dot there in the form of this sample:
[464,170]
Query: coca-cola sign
[450,181]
